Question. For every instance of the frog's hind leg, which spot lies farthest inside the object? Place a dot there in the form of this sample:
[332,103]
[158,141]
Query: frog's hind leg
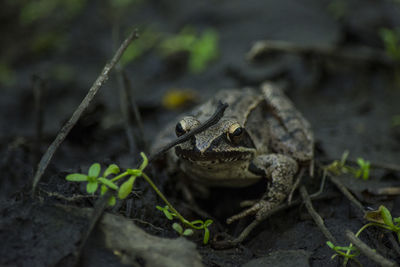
[290,132]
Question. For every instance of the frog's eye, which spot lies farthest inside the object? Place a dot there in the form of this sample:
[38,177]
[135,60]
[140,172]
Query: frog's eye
[180,128]
[235,133]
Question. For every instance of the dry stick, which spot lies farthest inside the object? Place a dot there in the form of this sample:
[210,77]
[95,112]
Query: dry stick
[38,91]
[255,223]
[394,243]
[317,218]
[125,110]
[101,204]
[133,108]
[346,192]
[219,112]
[357,54]
[101,79]
[369,252]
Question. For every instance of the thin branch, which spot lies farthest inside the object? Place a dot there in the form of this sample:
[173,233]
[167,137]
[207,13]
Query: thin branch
[347,193]
[69,199]
[101,79]
[352,54]
[38,90]
[98,211]
[125,110]
[369,252]
[219,112]
[317,218]
[231,243]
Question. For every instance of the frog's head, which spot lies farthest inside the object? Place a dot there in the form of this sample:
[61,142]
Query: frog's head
[224,141]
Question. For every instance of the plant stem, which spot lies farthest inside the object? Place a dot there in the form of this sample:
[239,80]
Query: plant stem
[358,233]
[116,178]
[161,195]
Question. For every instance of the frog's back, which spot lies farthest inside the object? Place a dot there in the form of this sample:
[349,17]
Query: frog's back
[240,101]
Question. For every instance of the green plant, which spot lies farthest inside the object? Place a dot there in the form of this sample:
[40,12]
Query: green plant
[197,224]
[391,40]
[122,191]
[344,251]
[338,167]
[380,218]
[202,48]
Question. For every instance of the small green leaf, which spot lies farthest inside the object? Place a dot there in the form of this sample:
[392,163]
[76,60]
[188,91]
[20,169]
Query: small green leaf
[386,216]
[103,189]
[206,236]
[91,187]
[112,201]
[159,208]
[145,161]
[168,214]
[330,244]
[94,170]
[177,227]
[108,183]
[77,177]
[188,232]
[126,188]
[112,169]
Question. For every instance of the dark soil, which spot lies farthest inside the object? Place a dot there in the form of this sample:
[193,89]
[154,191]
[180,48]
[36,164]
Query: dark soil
[349,104]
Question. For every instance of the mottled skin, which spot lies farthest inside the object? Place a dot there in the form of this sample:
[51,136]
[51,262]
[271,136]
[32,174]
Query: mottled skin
[274,138]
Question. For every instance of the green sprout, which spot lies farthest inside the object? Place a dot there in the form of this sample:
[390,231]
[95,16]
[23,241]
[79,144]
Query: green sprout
[338,167]
[344,251]
[197,224]
[122,191]
[380,218]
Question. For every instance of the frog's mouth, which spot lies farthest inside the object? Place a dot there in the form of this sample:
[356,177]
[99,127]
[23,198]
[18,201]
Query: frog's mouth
[215,157]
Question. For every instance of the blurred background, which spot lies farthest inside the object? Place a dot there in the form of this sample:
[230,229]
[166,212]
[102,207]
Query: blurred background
[339,59]
[55,49]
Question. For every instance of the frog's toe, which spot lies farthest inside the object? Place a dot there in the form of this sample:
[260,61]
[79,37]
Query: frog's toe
[260,207]
[248,203]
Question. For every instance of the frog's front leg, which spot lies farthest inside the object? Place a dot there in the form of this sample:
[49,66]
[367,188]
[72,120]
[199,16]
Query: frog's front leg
[280,169]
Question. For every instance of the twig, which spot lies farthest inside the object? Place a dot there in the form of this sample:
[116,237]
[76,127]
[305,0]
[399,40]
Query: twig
[374,165]
[369,252]
[38,91]
[101,79]
[394,243]
[354,54]
[296,184]
[125,109]
[219,112]
[133,108]
[346,192]
[69,199]
[231,243]
[98,210]
[317,218]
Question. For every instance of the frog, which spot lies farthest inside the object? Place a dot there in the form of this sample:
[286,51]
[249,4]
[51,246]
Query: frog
[261,135]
